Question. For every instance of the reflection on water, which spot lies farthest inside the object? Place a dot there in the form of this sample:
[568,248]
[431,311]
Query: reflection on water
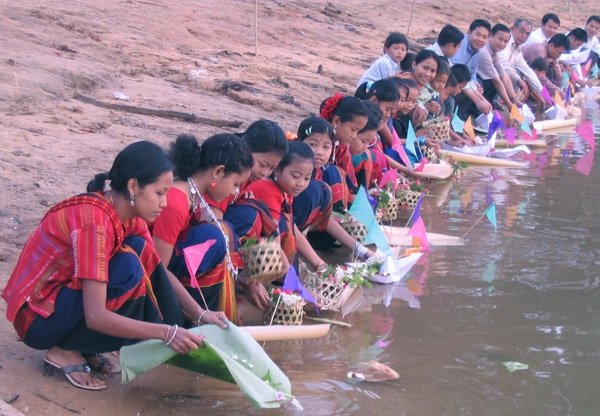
[526,293]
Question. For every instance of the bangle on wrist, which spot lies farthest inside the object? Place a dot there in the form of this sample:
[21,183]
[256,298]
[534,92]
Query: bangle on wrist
[168,343]
[199,320]
[167,334]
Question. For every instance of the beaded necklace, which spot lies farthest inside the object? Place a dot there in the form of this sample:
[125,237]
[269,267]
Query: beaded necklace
[196,197]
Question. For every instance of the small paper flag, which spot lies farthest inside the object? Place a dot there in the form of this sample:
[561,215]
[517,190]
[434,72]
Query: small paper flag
[565,79]
[390,176]
[411,140]
[568,94]
[291,282]
[527,113]
[525,127]
[421,165]
[515,114]
[490,214]
[468,128]
[546,96]
[510,134]
[558,100]
[362,211]
[586,131]
[418,232]
[193,256]
[417,211]
[457,123]
[497,122]
[595,72]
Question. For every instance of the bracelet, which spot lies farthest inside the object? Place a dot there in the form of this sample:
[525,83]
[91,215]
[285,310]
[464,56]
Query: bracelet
[167,334]
[168,343]
[199,320]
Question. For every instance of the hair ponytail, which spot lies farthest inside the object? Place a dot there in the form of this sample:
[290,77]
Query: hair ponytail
[143,161]
[98,183]
[346,108]
[384,90]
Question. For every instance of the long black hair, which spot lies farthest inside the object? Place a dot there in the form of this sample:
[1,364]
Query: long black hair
[143,161]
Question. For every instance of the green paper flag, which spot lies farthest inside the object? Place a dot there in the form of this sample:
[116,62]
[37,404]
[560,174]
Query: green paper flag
[229,354]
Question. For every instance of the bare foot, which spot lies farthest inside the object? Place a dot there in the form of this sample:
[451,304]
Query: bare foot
[106,363]
[59,358]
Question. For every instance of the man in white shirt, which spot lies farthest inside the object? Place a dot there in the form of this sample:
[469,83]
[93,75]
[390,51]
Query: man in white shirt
[550,25]
[518,75]
[448,42]
[489,69]
[592,28]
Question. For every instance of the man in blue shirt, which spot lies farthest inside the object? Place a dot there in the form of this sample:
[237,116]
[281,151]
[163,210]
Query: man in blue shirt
[471,101]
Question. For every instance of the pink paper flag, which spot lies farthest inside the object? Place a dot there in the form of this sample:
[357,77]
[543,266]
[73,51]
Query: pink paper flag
[510,135]
[586,131]
[534,134]
[584,164]
[421,165]
[193,256]
[546,96]
[418,231]
[390,176]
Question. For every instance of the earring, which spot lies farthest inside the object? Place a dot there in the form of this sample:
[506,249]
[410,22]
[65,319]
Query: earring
[131,199]
[213,184]
[275,177]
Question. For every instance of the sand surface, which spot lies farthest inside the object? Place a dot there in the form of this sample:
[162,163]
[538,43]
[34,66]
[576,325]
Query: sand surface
[188,56]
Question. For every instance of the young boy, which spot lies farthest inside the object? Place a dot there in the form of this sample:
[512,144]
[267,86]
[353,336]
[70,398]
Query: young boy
[448,42]
[395,48]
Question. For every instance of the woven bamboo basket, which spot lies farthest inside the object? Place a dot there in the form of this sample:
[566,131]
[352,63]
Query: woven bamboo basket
[409,198]
[356,230]
[438,130]
[285,314]
[263,262]
[429,154]
[328,293]
[389,212]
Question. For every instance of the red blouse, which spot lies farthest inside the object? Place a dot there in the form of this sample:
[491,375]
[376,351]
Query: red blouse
[75,240]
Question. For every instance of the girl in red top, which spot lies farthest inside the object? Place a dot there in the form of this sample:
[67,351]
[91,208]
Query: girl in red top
[217,168]
[89,279]
[348,116]
[291,177]
[312,208]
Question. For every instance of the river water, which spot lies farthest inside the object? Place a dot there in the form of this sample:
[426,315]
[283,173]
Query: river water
[528,293]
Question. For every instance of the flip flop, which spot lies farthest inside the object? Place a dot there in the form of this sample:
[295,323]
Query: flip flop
[50,366]
[100,363]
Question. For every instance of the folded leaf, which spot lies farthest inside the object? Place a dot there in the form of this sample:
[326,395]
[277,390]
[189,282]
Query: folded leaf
[229,354]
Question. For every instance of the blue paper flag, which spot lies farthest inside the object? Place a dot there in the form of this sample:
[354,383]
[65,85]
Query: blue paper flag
[457,124]
[525,127]
[595,72]
[496,123]
[490,214]
[361,210]
[417,212]
[291,282]
[565,79]
[411,140]
[568,94]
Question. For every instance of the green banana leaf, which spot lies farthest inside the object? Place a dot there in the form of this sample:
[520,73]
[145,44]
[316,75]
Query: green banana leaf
[228,354]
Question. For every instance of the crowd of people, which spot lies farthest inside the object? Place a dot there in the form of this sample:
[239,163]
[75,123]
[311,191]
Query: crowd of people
[106,268]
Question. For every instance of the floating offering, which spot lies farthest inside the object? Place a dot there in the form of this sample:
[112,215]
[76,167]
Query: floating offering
[228,354]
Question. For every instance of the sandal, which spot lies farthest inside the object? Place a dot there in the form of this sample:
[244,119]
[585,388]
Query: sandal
[50,366]
[100,363]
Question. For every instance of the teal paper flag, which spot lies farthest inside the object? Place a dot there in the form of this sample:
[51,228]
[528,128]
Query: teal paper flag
[565,79]
[362,211]
[411,139]
[457,124]
[595,72]
[525,127]
[490,214]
